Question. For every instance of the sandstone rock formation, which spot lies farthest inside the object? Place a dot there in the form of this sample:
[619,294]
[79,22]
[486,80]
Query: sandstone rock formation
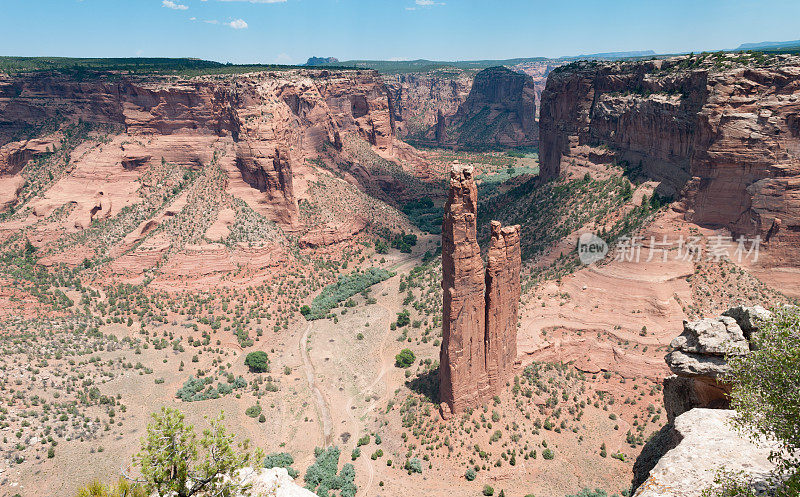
[721,133]
[257,126]
[480,307]
[500,111]
[698,359]
[700,445]
[420,100]
[502,303]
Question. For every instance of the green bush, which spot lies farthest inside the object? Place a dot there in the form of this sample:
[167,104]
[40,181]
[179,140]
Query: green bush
[488,490]
[470,474]
[321,476]
[405,358]
[548,454]
[253,411]
[413,465]
[197,389]
[258,362]
[586,492]
[281,460]
[766,392]
[403,318]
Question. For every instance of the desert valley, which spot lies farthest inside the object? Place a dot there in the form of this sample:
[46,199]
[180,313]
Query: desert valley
[378,271]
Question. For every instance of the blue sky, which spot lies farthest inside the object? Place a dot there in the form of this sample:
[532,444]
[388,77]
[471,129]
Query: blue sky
[289,31]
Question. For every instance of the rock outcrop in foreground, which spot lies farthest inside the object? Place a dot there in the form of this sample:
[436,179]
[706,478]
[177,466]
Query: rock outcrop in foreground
[705,443]
[698,359]
[699,441]
[480,307]
[274,482]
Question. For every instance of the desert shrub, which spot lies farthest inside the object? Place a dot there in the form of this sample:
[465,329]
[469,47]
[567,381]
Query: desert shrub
[403,318]
[727,484]
[413,465]
[347,286]
[281,460]
[258,362]
[405,358]
[488,490]
[586,492]
[766,392]
[470,474]
[548,454]
[123,488]
[321,476]
[198,389]
[253,411]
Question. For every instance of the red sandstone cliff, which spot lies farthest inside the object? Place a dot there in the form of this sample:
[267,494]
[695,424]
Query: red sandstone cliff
[259,127]
[500,111]
[418,98]
[479,327]
[716,130]
[496,108]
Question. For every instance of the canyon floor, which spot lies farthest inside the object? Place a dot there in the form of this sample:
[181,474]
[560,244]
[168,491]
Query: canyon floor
[586,393]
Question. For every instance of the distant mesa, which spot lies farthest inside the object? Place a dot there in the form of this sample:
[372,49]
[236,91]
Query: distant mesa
[318,61]
[769,45]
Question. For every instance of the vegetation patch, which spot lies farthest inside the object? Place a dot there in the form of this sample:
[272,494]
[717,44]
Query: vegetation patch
[347,286]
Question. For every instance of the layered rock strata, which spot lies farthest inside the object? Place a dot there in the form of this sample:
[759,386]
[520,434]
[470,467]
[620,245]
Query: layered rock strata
[480,306]
[720,131]
[260,127]
[500,111]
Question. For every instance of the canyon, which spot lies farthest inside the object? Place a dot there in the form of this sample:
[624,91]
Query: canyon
[157,228]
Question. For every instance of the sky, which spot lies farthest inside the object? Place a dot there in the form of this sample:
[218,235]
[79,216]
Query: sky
[290,31]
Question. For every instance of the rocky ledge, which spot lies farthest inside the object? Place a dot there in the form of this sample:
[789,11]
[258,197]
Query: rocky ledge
[704,443]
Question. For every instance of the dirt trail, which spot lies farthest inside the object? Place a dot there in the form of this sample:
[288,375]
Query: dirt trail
[401,267]
[321,401]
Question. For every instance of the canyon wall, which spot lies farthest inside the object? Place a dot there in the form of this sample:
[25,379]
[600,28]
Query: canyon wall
[419,99]
[499,112]
[722,132]
[479,322]
[496,108]
[259,127]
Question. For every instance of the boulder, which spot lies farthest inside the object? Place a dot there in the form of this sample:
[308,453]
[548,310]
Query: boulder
[699,359]
[748,318]
[274,482]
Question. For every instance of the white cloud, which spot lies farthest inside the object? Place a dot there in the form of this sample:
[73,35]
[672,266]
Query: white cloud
[428,3]
[211,21]
[237,24]
[255,1]
[283,58]
[172,5]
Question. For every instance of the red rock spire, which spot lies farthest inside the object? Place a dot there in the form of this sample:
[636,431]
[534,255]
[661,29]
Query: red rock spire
[480,307]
